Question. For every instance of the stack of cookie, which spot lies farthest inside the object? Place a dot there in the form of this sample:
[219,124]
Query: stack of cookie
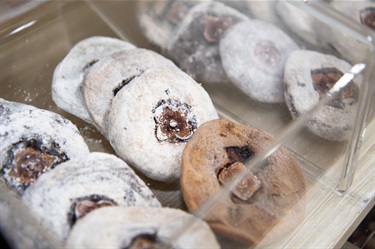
[228,43]
[47,164]
[140,101]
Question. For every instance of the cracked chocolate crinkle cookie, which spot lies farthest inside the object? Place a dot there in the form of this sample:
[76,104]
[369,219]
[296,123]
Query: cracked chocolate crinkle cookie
[69,73]
[307,76]
[134,228]
[253,55]
[212,160]
[152,118]
[107,77]
[195,47]
[68,193]
[34,141]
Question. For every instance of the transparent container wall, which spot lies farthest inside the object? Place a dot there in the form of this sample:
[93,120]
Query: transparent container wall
[313,26]
[34,43]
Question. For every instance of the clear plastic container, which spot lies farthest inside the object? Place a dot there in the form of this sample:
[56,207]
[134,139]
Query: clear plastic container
[33,43]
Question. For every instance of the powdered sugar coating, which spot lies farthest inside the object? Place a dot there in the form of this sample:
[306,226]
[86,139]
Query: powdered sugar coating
[24,122]
[131,123]
[116,227]
[253,55]
[190,48]
[69,73]
[306,26]
[50,199]
[330,122]
[111,73]
[159,20]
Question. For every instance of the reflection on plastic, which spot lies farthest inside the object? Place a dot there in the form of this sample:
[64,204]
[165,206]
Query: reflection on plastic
[22,27]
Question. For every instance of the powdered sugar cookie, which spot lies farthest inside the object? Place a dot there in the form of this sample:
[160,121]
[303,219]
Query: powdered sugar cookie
[353,48]
[33,141]
[307,76]
[69,73]
[152,118]
[359,11]
[117,227]
[61,197]
[159,20]
[110,74]
[195,47]
[253,55]
[307,27]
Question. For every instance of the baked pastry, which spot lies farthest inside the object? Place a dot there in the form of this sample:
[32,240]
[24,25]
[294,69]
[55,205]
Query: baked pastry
[63,196]
[159,20]
[195,47]
[311,30]
[69,73]
[253,54]
[216,157]
[141,227]
[353,48]
[107,77]
[307,76]
[152,118]
[34,141]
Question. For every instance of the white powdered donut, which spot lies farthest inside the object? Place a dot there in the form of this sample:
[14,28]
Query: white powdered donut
[69,192]
[69,73]
[116,227]
[253,55]
[110,74]
[153,117]
[33,141]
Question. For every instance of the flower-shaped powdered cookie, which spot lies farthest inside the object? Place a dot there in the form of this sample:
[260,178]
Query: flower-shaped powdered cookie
[253,55]
[69,73]
[106,78]
[195,48]
[34,141]
[62,196]
[141,227]
[152,118]
[159,20]
[307,76]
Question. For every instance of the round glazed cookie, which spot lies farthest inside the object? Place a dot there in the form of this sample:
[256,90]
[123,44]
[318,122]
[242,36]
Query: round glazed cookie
[159,20]
[308,75]
[136,227]
[69,73]
[195,47]
[61,197]
[153,117]
[106,78]
[34,141]
[253,55]
[211,161]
